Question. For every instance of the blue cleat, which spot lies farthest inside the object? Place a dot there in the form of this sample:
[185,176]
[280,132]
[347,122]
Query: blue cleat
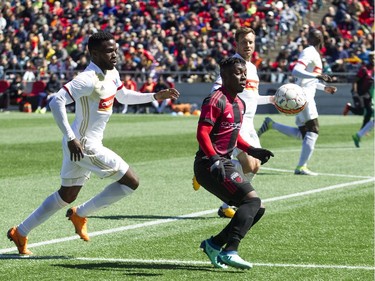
[212,251]
[232,258]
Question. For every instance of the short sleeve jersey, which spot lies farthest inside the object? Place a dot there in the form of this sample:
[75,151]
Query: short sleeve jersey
[310,58]
[225,115]
[94,93]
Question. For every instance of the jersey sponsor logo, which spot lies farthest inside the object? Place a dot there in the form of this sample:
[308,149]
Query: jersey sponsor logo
[230,125]
[106,104]
[236,177]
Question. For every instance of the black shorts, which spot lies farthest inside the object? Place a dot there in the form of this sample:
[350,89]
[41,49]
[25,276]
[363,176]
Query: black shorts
[232,190]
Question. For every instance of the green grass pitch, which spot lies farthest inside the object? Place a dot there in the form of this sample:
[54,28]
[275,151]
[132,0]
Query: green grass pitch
[315,228]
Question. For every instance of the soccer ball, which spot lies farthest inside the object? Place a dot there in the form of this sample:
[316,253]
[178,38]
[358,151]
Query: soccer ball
[290,99]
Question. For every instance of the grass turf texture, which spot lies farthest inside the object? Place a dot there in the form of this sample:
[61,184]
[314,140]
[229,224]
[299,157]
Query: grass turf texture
[326,235]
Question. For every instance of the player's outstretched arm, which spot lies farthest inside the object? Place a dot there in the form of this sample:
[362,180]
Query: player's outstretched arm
[324,77]
[167,94]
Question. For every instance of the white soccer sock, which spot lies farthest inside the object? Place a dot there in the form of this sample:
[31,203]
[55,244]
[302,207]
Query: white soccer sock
[367,128]
[308,146]
[51,205]
[111,194]
[287,130]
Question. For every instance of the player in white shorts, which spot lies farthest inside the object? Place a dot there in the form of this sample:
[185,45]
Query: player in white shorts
[308,72]
[245,45]
[93,92]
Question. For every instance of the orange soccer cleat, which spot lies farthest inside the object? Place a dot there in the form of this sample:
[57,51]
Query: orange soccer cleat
[80,224]
[20,241]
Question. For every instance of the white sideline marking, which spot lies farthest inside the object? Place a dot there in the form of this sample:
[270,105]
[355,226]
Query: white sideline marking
[320,174]
[192,215]
[179,262]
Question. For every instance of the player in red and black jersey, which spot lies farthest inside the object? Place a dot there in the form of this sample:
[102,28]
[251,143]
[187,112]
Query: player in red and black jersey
[218,134]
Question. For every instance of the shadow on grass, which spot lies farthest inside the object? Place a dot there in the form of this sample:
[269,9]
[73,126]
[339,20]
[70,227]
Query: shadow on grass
[140,269]
[150,217]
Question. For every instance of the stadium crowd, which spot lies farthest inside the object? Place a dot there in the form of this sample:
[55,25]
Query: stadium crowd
[39,37]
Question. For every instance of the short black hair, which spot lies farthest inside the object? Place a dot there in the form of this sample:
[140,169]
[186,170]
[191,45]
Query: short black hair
[228,62]
[97,38]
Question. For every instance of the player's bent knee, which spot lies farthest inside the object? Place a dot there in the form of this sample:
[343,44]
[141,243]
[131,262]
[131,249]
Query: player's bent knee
[130,181]
[69,194]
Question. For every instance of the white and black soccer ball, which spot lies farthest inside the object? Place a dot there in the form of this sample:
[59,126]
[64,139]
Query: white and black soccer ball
[290,99]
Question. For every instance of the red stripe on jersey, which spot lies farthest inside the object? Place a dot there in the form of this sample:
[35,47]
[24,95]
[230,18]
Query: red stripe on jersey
[66,89]
[119,88]
[317,70]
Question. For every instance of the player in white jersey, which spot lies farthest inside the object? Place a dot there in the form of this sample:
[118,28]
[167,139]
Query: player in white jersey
[308,72]
[245,46]
[93,92]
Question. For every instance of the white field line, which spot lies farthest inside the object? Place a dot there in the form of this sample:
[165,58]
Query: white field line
[192,215]
[186,262]
[320,174]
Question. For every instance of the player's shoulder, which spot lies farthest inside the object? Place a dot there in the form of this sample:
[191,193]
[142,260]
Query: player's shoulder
[86,77]
[217,98]
[309,50]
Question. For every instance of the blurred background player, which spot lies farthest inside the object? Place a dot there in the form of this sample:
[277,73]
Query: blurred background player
[93,91]
[218,133]
[245,46]
[370,124]
[308,72]
[363,92]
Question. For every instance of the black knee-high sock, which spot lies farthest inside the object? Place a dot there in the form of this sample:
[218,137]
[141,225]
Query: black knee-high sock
[259,215]
[222,238]
[239,225]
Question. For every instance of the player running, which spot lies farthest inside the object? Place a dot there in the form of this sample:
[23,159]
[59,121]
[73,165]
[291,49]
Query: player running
[308,72]
[93,92]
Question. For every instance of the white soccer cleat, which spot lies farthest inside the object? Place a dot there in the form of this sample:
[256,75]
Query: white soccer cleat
[302,170]
[232,258]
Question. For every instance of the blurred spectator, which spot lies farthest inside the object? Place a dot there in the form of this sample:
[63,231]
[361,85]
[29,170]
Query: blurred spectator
[129,84]
[53,86]
[147,87]
[16,90]
[29,75]
[160,106]
[287,20]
